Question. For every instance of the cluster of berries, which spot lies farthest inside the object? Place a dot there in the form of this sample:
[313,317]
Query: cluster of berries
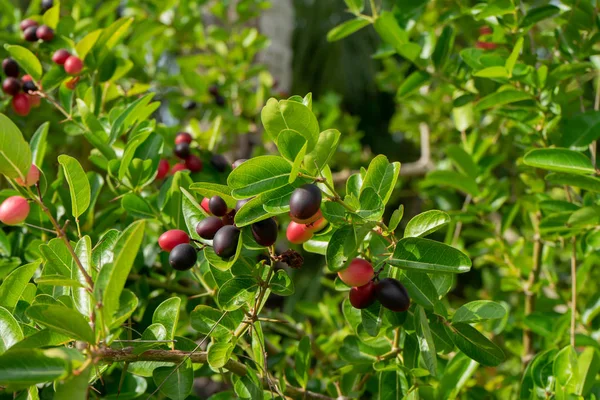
[15,209]
[73,65]
[32,32]
[305,212]
[182,151]
[12,86]
[482,43]
[366,288]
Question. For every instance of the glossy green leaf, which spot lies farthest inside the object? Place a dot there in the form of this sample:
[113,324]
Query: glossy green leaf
[590,183]
[285,114]
[475,345]
[462,160]
[323,151]
[588,364]
[62,320]
[204,319]
[452,179]
[14,284]
[355,6]
[565,368]
[302,361]
[258,175]
[281,284]
[538,14]
[81,297]
[420,287]
[219,353]
[167,314]
[559,160]
[492,72]
[412,82]
[501,98]
[514,55]
[26,59]
[458,371]
[79,186]
[75,387]
[28,367]
[479,310]
[347,28]
[15,155]
[38,144]
[175,382]
[372,318]
[425,223]
[426,344]
[237,292]
[429,256]
[10,331]
[443,47]
[580,130]
[382,177]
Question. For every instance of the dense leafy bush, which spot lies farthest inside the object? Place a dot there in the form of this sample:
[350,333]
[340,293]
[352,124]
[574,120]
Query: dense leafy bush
[141,255]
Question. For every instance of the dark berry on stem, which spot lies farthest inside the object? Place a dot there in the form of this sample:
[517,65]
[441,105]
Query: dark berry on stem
[392,295]
[305,203]
[10,67]
[183,257]
[193,163]
[182,150]
[229,218]
[226,240]
[362,296]
[30,34]
[208,227]
[265,232]
[45,33]
[217,206]
[26,23]
[213,90]
[29,86]
[241,203]
[220,100]
[11,86]
[60,56]
[46,5]
[219,162]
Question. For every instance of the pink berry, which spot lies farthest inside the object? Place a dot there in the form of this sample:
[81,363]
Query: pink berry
[33,176]
[168,240]
[298,233]
[73,65]
[163,169]
[60,56]
[358,273]
[14,210]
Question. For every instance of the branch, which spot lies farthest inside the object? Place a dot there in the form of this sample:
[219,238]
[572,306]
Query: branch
[108,355]
[171,287]
[529,293]
[417,168]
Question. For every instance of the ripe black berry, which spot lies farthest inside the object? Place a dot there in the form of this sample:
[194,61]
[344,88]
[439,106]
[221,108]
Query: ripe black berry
[208,227]
[182,150]
[11,86]
[226,240]
[220,100]
[392,295]
[241,203]
[305,202]
[46,5]
[265,232]
[219,162]
[29,86]
[30,34]
[229,218]
[10,67]
[45,33]
[183,257]
[217,206]
[213,90]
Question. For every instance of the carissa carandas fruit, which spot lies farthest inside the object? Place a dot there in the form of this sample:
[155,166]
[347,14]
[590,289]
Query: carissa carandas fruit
[183,257]
[358,273]
[172,238]
[182,150]
[362,296]
[305,203]
[208,227]
[217,206]
[265,232]
[392,295]
[298,233]
[33,176]
[14,210]
[226,240]
[10,67]
[183,137]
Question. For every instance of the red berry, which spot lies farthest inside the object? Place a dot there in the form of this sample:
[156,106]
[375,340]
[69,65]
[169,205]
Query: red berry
[73,65]
[168,240]
[26,78]
[362,296]
[20,104]
[60,56]
[183,137]
[163,169]
[26,23]
[486,45]
[485,30]
[11,86]
[318,225]
[298,233]
[14,210]
[33,176]
[10,67]
[178,167]
[193,163]
[204,205]
[358,273]
[30,34]
[45,33]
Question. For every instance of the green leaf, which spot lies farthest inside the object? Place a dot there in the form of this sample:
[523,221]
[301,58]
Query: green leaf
[204,319]
[390,31]
[559,160]
[15,155]
[175,382]
[420,288]
[342,248]
[355,6]
[219,353]
[538,14]
[443,47]
[302,361]
[79,186]
[26,59]
[136,207]
[590,183]
[372,318]
[281,284]
[62,320]
[396,218]
[412,82]
[10,331]
[371,207]
[462,160]
[475,345]
[81,297]
[253,211]
[24,368]
[287,114]
[501,98]
[588,364]
[425,223]
[167,314]
[38,144]
[381,176]
[565,368]
[580,130]
[429,256]
[74,388]
[323,151]
[135,111]
[237,292]
[492,72]
[258,175]
[452,179]
[426,344]
[456,375]
[346,29]
[52,15]
[112,277]
[85,45]
[14,284]
[479,310]
[514,55]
